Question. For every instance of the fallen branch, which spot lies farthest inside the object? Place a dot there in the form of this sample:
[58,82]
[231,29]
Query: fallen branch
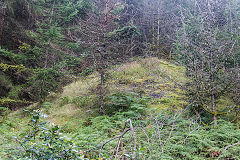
[102,145]
[232,145]
[120,138]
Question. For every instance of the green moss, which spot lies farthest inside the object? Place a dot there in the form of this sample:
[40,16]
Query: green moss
[152,76]
[159,107]
[140,81]
[169,102]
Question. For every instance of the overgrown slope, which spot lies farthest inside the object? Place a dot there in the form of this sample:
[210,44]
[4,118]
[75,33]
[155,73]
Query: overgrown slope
[150,77]
[164,131]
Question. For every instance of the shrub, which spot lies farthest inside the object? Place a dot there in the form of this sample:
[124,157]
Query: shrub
[44,81]
[125,102]
[44,141]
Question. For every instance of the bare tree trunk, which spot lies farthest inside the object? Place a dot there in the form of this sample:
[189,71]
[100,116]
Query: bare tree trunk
[214,107]
[49,40]
[101,93]
[4,8]
[102,63]
[158,28]
[213,90]
[131,44]
[237,116]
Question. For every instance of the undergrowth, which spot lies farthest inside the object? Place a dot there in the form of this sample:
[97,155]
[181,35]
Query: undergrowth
[145,91]
[158,136]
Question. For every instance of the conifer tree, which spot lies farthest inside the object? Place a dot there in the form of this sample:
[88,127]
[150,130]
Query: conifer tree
[205,46]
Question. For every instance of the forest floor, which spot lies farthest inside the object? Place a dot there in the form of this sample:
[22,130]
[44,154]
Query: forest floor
[75,111]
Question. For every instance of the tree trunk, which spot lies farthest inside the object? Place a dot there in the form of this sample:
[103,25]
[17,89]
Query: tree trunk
[214,108]
[4,8]
[49,40]
[237,116]
[213,90]
[101,93]
[158,28]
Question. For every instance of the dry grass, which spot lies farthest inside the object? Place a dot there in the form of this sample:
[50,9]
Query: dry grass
[80,87]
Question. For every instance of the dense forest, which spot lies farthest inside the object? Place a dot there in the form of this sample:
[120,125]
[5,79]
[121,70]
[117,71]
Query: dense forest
[119,79]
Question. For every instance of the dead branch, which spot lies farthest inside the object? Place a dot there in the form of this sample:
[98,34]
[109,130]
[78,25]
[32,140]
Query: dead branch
[125,130]
[102,145]
[232,145]
[120,139]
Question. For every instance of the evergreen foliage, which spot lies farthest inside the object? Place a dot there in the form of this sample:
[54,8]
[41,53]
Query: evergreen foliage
[148,79]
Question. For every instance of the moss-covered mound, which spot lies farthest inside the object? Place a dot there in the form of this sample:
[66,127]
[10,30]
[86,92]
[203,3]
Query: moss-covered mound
[151,77]
[158,79]
[74,109]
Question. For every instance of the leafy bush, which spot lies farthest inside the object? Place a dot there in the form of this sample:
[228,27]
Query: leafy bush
[44,141]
